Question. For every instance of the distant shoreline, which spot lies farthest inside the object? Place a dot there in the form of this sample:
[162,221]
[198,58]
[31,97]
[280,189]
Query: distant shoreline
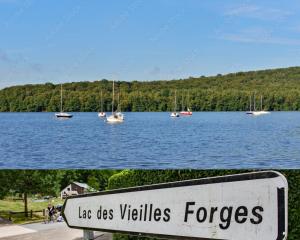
[165,112]
[279,90]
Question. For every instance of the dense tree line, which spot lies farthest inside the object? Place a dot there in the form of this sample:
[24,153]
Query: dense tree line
[280,89]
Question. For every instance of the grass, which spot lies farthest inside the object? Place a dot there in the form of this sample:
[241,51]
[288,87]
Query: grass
[21,219]
[8,204]
[18,206]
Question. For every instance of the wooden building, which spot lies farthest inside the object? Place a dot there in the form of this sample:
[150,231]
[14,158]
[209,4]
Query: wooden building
[75,188]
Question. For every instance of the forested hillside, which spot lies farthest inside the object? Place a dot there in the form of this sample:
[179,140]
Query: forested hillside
[279,87]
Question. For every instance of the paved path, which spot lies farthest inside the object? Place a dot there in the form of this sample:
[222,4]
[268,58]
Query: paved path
[41,231]
[13,230]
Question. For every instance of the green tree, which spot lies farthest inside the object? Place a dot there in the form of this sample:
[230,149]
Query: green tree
[33,181]
[93,182]
[5,183]
[279,87]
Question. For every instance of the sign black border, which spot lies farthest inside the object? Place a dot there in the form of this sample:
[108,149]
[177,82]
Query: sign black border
[282,224]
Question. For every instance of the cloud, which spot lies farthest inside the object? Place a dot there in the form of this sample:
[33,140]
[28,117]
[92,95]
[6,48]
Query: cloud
[258,12]
[258,35]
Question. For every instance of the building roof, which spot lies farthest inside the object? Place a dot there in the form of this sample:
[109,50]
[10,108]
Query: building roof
[83,185]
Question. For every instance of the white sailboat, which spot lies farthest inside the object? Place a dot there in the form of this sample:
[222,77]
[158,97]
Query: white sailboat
[261,112]
[101,114]
[175,113]
[61,114]
[115,117]
[257,113]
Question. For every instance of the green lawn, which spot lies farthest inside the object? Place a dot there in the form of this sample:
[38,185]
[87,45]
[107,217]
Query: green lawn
[18,206]
[7,205]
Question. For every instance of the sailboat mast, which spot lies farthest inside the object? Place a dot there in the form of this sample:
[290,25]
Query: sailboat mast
[188,101]
[101,101]
[261,102]
[119,105]
[113,98]
[175,102]
[182,103]
[61,98]
[254,107]
[250,105]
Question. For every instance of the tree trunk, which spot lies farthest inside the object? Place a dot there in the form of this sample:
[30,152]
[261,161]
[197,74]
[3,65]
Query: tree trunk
[25,205]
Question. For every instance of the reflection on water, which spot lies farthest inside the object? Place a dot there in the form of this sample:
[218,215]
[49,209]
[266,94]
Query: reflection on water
[150,140]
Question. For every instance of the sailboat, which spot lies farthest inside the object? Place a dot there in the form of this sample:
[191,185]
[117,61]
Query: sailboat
[254,112]
[175,114]
[62,115]
[115,117]
[101,114]
[184,112]
[261,112]
[250,112]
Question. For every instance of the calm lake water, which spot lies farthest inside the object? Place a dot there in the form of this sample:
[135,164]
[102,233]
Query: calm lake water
[150,140]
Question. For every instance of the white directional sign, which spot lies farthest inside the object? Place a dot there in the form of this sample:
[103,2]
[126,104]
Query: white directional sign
[243,206]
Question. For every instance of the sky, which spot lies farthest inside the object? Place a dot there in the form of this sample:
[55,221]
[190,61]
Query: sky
[78,40]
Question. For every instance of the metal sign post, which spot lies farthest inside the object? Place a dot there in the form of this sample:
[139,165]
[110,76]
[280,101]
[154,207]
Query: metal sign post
[243,206]
[88,235]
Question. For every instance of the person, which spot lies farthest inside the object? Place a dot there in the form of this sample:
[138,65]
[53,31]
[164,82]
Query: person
[60,218]
[46,220]
[51,212]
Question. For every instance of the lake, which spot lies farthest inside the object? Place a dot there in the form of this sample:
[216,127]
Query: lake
[150,140]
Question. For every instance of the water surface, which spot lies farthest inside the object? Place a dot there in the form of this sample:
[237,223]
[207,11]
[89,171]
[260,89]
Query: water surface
[150,140]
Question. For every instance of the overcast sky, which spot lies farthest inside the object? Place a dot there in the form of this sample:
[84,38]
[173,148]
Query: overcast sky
[72,40]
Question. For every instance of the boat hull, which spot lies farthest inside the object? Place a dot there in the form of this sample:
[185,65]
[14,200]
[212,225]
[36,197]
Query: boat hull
[63,115]
[102,114]
[115,118]
[174,115]
[186,113]
[258,113]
